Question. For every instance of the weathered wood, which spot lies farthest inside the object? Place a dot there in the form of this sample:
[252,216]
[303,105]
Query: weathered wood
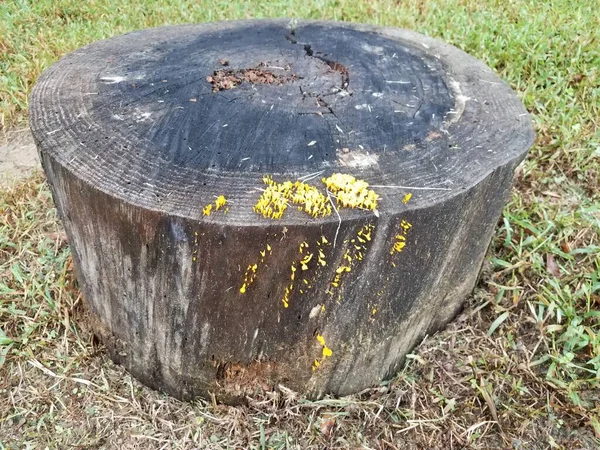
[138,133]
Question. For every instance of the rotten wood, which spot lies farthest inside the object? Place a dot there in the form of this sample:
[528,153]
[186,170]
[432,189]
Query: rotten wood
[139,133]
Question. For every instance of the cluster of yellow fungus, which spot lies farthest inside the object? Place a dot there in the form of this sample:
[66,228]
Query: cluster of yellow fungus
[326,352]
[220,202]
[355,252]
[363,235]
[307,261]
[406,198]
[250,274]
[400,242]
[321,256]
[249,277]
[311,201]
[303,262]
[286,296]
[351,192]
[321,259]
[341,269]
[275,199]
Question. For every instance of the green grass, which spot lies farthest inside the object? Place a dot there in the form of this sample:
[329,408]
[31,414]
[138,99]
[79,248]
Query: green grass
[518,369]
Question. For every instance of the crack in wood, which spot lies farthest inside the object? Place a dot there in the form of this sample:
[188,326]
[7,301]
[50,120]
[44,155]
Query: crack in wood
[333,65]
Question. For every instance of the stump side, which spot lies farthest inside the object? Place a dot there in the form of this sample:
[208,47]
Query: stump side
[182,326]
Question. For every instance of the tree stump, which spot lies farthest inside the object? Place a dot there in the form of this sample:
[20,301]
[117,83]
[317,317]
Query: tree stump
[168,151]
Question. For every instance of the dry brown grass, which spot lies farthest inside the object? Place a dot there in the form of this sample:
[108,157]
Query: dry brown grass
[462,388]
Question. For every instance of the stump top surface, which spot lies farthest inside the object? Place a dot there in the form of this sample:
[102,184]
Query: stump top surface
[168,118]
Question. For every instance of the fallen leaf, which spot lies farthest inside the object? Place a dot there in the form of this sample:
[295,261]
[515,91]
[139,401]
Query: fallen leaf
[327,424]
[576,79]
[551,266]
[69,263]
[60,237]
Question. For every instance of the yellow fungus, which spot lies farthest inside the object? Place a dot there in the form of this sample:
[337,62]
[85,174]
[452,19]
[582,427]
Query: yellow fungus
[352,254]
[351,192]
[274,199]
[220,202]
[406,198]
[307,258]
[400,242]
[268,247]
[252,270]
[286,296]
[310,200]
[326,351]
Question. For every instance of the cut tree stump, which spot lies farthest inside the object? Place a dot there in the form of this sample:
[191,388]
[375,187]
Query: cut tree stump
[198,294]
